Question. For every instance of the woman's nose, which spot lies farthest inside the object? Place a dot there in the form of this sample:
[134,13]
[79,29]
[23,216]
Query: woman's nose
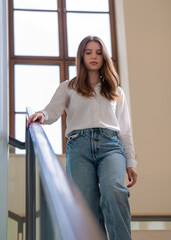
[94,55]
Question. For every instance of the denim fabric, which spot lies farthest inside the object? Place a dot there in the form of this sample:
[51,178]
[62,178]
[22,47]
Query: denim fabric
[96,163]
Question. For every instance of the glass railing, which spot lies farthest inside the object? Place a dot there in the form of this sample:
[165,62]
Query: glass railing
[42,201]
[16,197]
[51,206]
[17,193]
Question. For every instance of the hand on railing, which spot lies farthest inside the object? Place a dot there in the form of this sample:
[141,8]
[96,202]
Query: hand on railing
[37,117]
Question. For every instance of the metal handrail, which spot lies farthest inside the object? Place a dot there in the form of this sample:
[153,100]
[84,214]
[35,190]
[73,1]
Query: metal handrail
[16,143]
[66,207]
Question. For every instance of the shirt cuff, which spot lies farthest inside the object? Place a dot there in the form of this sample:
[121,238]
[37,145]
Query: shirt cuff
[45,115]
[131,163]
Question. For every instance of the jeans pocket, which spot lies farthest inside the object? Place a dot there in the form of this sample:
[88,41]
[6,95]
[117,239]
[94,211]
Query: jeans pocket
[111,134]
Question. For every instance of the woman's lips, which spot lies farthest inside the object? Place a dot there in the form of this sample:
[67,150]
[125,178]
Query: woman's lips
[94,63]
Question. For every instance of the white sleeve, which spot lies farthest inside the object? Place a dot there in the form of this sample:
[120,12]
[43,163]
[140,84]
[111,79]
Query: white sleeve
[57,105]
[125,134]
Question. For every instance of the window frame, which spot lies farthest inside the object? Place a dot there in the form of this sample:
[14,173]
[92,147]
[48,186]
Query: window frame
[63,60]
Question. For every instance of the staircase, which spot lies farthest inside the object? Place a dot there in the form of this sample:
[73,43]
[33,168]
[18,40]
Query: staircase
[151,230]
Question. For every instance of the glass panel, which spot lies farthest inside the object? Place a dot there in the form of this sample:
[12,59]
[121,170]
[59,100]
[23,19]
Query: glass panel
[41,191]
[38,4]
[36,33]
[34,86]
[16,197]
[87,5]
[72,72]
[84,24]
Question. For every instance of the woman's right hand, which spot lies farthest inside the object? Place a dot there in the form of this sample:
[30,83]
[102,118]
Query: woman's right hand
[37,117]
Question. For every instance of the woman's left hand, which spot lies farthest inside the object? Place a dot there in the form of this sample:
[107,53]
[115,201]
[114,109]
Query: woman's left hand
[132,176]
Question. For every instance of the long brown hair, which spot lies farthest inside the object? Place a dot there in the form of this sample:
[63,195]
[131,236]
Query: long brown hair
[107,73]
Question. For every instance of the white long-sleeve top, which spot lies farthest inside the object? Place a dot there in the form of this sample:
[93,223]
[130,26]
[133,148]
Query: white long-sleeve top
[92,112]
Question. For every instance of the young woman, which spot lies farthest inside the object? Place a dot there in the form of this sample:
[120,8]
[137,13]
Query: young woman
[100,147]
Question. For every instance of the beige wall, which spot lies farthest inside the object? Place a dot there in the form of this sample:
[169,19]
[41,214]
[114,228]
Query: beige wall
[148,49]
[145,69]
[17,183]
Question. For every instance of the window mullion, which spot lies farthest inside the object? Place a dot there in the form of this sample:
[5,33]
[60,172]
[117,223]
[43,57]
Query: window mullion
[113,30]
[64,29]
[11,29]
[60,22]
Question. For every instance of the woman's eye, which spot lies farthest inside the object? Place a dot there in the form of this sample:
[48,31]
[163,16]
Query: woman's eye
[87,53]
[99,53]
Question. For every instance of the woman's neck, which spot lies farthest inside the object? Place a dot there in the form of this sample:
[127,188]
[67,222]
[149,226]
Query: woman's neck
[94,78]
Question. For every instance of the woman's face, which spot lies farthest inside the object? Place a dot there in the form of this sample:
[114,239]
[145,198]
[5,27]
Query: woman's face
[93,58]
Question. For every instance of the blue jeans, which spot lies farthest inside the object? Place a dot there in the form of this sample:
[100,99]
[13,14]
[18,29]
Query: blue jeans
[96,163]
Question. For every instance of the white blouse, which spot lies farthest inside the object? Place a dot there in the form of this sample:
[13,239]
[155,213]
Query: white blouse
[92,112]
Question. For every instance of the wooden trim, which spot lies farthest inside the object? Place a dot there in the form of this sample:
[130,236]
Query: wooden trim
[113,31]
[11,28]
[40,58]
[35,61]
[150,218]
[65,36]
[67,64]
[60,27]
[20,217]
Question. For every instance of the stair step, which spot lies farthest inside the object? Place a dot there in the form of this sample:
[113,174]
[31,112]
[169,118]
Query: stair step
[151,235]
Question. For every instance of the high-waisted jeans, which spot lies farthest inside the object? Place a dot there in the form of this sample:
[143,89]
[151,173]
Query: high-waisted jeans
[96,163]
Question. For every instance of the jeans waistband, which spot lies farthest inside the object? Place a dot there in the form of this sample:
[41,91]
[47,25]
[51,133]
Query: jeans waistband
[100,130]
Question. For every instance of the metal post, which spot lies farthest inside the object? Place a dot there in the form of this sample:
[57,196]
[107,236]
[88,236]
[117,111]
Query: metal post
[30,189]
